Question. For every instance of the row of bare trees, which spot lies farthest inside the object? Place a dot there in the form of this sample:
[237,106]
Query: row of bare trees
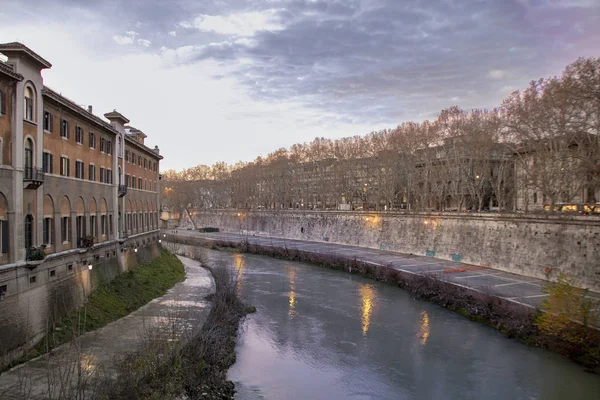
[539,147]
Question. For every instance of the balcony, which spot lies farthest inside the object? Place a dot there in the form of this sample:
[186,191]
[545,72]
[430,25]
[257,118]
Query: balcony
[122,190]
[33,178]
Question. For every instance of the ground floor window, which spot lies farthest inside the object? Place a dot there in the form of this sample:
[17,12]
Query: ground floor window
[65,229]
[48,234]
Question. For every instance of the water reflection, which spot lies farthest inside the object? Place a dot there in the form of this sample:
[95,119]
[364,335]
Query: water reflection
[239,264]
[367,296]
[424,332]
[314,355]
[292,295]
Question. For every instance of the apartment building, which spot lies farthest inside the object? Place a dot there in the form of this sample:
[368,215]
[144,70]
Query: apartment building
[68,178]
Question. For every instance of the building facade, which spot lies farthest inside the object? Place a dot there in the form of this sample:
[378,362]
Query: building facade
[68,178]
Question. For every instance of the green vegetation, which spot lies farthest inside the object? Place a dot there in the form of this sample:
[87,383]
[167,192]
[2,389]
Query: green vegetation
[196,368]
[126,293]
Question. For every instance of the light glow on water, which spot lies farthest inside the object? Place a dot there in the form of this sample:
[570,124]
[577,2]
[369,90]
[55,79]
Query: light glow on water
[367,296]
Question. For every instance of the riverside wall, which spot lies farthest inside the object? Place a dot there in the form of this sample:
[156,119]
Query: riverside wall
[522,244]
[34,295]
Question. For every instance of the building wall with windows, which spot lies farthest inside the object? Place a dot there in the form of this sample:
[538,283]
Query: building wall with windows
[61,205]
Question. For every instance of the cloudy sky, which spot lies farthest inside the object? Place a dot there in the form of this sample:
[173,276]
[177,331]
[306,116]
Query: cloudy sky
[231,79]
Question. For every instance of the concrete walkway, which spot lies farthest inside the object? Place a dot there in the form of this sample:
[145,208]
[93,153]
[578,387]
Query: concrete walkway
[181,310]
[514,287]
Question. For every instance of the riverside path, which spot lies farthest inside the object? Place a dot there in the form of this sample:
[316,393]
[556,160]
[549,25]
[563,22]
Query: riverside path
[182,308]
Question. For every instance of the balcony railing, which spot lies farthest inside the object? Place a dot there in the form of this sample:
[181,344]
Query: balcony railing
[122,190]
[33,177]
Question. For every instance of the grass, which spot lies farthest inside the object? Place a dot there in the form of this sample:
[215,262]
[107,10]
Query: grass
[109,302]
[194,368]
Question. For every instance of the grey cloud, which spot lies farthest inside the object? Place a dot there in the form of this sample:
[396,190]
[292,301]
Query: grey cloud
[408,57]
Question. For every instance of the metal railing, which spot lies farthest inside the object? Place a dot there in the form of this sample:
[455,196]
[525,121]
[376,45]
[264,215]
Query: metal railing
[33,174]
[122,190]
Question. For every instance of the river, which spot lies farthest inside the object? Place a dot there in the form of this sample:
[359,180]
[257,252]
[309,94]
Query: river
[323,334]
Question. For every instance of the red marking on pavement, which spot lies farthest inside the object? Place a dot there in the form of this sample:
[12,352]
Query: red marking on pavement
[466,268]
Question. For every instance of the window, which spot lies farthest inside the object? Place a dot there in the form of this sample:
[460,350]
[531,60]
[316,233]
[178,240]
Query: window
[92,140]
[140,161]
[92,172]
[52,273]
[535,197]
[64,128]
[64,166]
[29,104]
[127,155]
[79,135]
[47,162]
[102,142]
[108,147]
[110,226]
[133,157]
[145,164]
[70,267]
[28,152]
[48,121]
[65,229]
[103,224]
[102,174]
[127,180]
[2,103]
[79,169]
[140,183]
[3,237]
[33,279]
[109,176]
[93,225]
[48,231]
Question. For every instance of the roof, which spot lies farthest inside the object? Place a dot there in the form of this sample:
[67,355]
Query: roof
[60,99]
[130,140]
[20,48]
[7,69]
[115,115]
[135,131]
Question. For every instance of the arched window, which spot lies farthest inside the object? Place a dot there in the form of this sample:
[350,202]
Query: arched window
[28,158]
[29,104]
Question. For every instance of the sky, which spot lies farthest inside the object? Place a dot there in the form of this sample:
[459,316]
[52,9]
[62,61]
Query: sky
[229,80]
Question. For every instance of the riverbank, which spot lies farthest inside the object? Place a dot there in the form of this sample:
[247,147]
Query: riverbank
[197,367]
[123,295]
[514,319]
[87,365]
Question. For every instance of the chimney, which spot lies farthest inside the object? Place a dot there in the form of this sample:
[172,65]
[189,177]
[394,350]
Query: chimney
[90,109]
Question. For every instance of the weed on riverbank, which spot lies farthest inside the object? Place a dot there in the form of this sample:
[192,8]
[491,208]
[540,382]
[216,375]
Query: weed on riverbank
[194,367]
[109,302]
[512,319]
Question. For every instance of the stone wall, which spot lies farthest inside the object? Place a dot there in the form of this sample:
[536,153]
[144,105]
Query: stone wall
[34,295]
[517,243]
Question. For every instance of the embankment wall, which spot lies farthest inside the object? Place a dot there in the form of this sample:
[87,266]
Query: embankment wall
[36,294]
[517,243]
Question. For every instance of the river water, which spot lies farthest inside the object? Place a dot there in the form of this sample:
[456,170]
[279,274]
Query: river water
[323,334]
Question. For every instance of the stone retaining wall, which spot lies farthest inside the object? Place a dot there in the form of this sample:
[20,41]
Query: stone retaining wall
[517,243]
[37,294]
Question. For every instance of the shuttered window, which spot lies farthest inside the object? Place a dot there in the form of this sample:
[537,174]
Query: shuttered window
[2,103]
[4,237]
[48,231]
[47,162]
[48,121]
